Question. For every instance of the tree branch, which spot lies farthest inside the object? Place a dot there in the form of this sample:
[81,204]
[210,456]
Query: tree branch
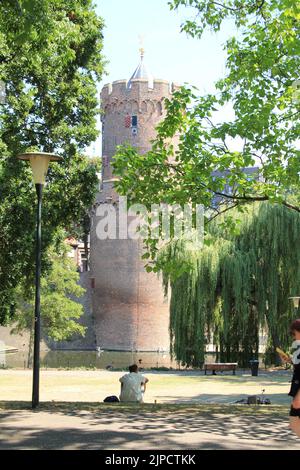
[225,7]
[290,206]
[223,211]
[240,198]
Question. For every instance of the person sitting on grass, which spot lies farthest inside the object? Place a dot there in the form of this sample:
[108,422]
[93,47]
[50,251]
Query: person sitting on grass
[133,386]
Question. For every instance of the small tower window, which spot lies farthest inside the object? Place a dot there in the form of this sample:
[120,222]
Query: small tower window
[134,121]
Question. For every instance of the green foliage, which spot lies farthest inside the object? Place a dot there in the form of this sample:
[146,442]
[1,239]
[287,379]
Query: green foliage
[263,64]
[50,61]
[59,309]
[235,287]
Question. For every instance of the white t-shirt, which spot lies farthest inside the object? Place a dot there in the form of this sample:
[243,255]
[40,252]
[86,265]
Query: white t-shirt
[131,389]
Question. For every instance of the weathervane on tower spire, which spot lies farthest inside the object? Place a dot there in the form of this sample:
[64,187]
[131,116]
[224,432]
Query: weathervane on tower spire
[142,49]
[141,72]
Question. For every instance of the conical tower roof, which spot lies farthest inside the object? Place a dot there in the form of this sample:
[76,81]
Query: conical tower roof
[142,72]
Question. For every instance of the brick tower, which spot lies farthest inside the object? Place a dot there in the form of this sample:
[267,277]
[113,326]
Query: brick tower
[129,308]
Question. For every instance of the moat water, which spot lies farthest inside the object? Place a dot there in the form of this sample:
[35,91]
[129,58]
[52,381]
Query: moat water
[89,359]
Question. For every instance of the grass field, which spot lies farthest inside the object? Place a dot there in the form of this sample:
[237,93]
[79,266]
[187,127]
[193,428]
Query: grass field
[176,387]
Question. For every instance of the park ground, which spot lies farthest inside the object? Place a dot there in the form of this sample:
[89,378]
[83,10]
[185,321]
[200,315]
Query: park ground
[183,410]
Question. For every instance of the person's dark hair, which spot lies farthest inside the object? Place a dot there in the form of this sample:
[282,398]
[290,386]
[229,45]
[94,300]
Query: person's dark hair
[295,325]
[133,368]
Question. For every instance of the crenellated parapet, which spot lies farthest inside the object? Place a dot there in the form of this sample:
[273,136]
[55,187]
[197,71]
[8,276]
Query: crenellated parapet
[131,110]
[122,95]
[163,87]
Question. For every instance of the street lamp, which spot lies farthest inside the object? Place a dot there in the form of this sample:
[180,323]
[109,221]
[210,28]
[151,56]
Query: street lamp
[39,164]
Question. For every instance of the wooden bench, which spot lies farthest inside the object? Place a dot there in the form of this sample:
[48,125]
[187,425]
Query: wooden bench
[220,366]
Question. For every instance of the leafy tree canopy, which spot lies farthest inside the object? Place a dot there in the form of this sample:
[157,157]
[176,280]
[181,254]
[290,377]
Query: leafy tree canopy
[235,288]
[263,63]
[60,290]
[50,61]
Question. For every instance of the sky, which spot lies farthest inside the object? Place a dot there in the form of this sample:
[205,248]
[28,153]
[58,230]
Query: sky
[169,54]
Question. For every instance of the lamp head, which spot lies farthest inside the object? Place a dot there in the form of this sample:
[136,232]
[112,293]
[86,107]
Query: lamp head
[39,162]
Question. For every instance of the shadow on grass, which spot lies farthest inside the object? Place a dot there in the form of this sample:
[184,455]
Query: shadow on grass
[161,408]
[147,426]
[277,399]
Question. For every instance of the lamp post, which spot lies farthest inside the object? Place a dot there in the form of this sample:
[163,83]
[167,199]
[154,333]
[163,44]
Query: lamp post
[39,164]
[296,303]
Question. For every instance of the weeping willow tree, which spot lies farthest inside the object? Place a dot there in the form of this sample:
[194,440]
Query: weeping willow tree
[236,286]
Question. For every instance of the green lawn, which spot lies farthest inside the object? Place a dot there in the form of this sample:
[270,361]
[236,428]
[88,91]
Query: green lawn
[80,387]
